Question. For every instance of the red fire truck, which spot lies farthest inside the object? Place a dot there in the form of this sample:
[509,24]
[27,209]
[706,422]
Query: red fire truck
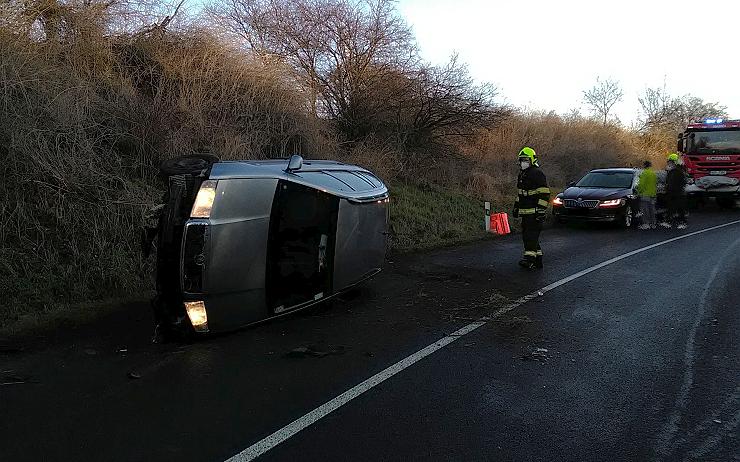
[711,154]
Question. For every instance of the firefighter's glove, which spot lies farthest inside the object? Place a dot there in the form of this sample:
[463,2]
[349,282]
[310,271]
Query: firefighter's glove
[515,213]
[540,218]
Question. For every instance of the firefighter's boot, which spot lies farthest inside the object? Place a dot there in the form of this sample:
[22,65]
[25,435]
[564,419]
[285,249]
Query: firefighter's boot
[527,264]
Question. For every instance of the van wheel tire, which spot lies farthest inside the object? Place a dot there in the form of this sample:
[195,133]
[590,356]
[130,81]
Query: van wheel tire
[190,164]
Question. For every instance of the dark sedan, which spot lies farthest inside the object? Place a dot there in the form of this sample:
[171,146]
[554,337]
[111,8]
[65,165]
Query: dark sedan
[603,195]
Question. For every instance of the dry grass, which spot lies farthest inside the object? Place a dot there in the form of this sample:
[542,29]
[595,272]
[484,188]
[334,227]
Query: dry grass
[567,147]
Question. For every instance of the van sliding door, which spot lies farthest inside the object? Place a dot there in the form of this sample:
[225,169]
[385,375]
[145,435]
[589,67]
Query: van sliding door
[300,255]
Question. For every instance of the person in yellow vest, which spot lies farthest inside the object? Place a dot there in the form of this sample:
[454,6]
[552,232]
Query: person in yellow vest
[647,189]
[531,205]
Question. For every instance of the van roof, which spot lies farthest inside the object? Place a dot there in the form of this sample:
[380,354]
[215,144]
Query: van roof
[344,180]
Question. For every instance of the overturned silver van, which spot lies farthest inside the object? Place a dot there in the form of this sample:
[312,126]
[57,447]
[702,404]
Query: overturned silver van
[243,241]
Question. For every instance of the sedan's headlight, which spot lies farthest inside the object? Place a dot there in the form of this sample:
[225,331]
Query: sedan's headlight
[557,202]
[612,203]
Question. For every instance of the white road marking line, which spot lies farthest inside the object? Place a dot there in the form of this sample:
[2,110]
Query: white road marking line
[301,423]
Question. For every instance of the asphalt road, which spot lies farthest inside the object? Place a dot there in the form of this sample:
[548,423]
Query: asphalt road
[637,360]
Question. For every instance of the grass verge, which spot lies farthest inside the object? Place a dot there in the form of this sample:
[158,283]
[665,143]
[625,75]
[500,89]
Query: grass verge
[424,217]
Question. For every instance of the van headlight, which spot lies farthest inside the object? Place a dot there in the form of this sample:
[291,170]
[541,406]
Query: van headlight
[198,317]
[204,200]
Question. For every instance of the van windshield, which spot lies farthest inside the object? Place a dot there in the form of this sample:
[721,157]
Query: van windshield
[616,180]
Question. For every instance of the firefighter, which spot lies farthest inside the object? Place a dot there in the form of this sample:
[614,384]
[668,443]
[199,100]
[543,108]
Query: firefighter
[531,206]
[675,192]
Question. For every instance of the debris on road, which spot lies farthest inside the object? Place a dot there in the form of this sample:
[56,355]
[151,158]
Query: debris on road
[717,421]
[308,351]
[90,351]
[538,354]
[134,375]
[514,322]
[17,382]
[14,379]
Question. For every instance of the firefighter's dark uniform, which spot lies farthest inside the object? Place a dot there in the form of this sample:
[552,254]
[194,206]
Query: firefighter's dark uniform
[531,206]
[675,194]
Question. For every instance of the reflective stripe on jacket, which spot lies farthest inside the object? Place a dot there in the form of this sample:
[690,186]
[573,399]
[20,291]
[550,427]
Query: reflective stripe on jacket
[534,195]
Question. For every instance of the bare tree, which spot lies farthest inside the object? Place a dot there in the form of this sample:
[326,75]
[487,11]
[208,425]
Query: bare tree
[602,97]
[358,60]
[661,111]
[445,101]
[339,49]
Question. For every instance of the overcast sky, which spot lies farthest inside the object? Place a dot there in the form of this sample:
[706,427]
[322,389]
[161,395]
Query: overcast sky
[542,54]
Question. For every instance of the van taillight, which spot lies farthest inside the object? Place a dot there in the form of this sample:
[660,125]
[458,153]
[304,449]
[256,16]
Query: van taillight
[194,256]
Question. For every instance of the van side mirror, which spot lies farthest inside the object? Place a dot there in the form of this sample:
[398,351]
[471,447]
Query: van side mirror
[295,163]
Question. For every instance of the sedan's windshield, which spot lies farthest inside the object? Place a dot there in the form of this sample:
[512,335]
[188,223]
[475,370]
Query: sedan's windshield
[711,142]
[617,180]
